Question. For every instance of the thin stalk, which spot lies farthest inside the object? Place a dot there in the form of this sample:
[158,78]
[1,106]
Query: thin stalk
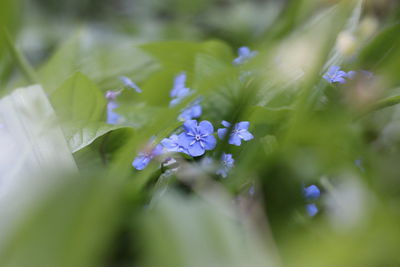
[381,104]
[21,61]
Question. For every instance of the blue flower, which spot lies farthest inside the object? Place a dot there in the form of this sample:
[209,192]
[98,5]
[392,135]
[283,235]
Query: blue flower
[239,132]
[179,85]
[244,54]
[128,82]
[227,163]
[312,209]
[197,138]
[112,95]
[112,116]
[335,75]
[172,144]
[192,112]
[179,91]
[145,157]
[311,192]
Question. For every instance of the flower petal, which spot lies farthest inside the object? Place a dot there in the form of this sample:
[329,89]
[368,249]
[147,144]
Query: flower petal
[205,127]
[235,140]
[312,209]
[112,116]
[242,125]
[333,69]
[184,140]
[226,124]
[195,150]
[168,144]
[128,82]
[311,192]
[244,51]
[246,135]
[141,162]
[157,150]
[210,142]
[222,133]
[190,126]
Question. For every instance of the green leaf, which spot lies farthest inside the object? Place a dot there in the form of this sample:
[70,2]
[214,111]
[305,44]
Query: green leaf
[79,100]
[102,63]
[80,106]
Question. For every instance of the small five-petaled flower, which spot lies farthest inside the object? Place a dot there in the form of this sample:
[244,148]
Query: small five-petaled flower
[226,164]
[240,132]
[197,138]
[335,75]
[146,156]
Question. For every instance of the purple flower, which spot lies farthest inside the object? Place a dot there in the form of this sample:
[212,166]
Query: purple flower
[244,54]
[172,144]
[192,112]
[335,75]
[112,116]
[197,138]
[226,164]
[311,192]
[239,132]
[128,82]
[145,157]
[312,209]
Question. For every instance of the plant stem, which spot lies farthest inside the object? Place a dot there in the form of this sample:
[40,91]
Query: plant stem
[21,61]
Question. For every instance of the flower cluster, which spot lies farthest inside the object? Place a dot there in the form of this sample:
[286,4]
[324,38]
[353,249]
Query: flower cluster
[311,193]
[195,138]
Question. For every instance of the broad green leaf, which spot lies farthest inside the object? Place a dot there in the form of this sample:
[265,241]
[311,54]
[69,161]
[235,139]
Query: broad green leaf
[102,63]
[80,106]
[79,100]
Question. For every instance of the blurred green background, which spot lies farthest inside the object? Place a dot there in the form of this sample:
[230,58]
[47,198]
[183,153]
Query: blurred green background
[70,197]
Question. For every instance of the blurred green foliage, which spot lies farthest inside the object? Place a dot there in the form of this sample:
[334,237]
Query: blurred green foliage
[69,195]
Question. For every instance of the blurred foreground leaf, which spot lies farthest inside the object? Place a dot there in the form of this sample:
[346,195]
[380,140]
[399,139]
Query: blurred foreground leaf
[190,232]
